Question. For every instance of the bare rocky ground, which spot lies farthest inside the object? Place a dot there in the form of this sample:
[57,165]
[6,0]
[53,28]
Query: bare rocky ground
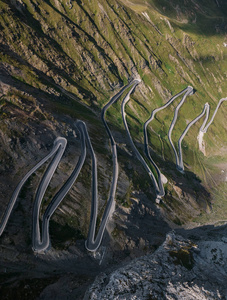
[66,271]
[138,226]
[179,269]
[190,264]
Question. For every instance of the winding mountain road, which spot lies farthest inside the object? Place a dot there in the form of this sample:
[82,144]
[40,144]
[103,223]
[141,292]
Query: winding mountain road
[92,243]
[206,108]
[41,240]
[37,243]
[159,186]
[204,127]
[189,91]
[58,150]
[159,194]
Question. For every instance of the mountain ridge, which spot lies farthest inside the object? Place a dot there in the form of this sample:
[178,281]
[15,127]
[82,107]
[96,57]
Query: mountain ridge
[62,61]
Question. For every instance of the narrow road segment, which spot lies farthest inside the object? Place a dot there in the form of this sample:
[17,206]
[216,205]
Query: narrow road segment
[189,91]
[159,186]
[92,243]
[57,150]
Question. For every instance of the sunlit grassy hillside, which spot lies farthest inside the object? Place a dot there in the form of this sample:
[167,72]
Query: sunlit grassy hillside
[85,51]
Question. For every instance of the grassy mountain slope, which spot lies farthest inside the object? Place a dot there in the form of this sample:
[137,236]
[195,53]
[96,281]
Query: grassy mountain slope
[63,60]
[82,52]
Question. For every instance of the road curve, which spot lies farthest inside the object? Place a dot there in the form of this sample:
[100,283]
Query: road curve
[37,243]
[206,108]
[57,150]
[189,91]
[138,155]
[159,186]
[92,243]
[41,241]
[112,101]
[204,127]
[59,146]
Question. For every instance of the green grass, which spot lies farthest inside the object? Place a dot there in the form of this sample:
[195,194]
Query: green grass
[217,214]
[89,49]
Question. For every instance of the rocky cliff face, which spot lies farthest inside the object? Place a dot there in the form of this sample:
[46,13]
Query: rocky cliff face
[59,54]
[61,61]
[179,269]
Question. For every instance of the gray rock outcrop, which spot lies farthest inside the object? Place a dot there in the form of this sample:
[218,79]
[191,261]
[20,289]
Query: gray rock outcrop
[179,269]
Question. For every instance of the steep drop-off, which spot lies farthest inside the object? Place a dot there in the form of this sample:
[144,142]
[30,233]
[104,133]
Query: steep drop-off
[61,61]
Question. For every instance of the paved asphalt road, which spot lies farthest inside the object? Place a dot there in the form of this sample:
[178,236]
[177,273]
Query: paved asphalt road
[159,186]
[37,243]
[92,242]
[189,91]
[203,127]
[180,165]
[41,242]
[138,155]
[58,150]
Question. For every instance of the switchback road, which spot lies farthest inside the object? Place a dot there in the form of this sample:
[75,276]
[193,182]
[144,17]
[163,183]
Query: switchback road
[159,186]
[189,91]
[93,243]
[37,243]
[204,127]
[138,155]
[41,240]
[58,150]
[180,165]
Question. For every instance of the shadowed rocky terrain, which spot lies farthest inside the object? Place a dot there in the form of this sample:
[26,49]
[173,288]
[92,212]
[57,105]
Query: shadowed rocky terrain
[62,61]
[179,269]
